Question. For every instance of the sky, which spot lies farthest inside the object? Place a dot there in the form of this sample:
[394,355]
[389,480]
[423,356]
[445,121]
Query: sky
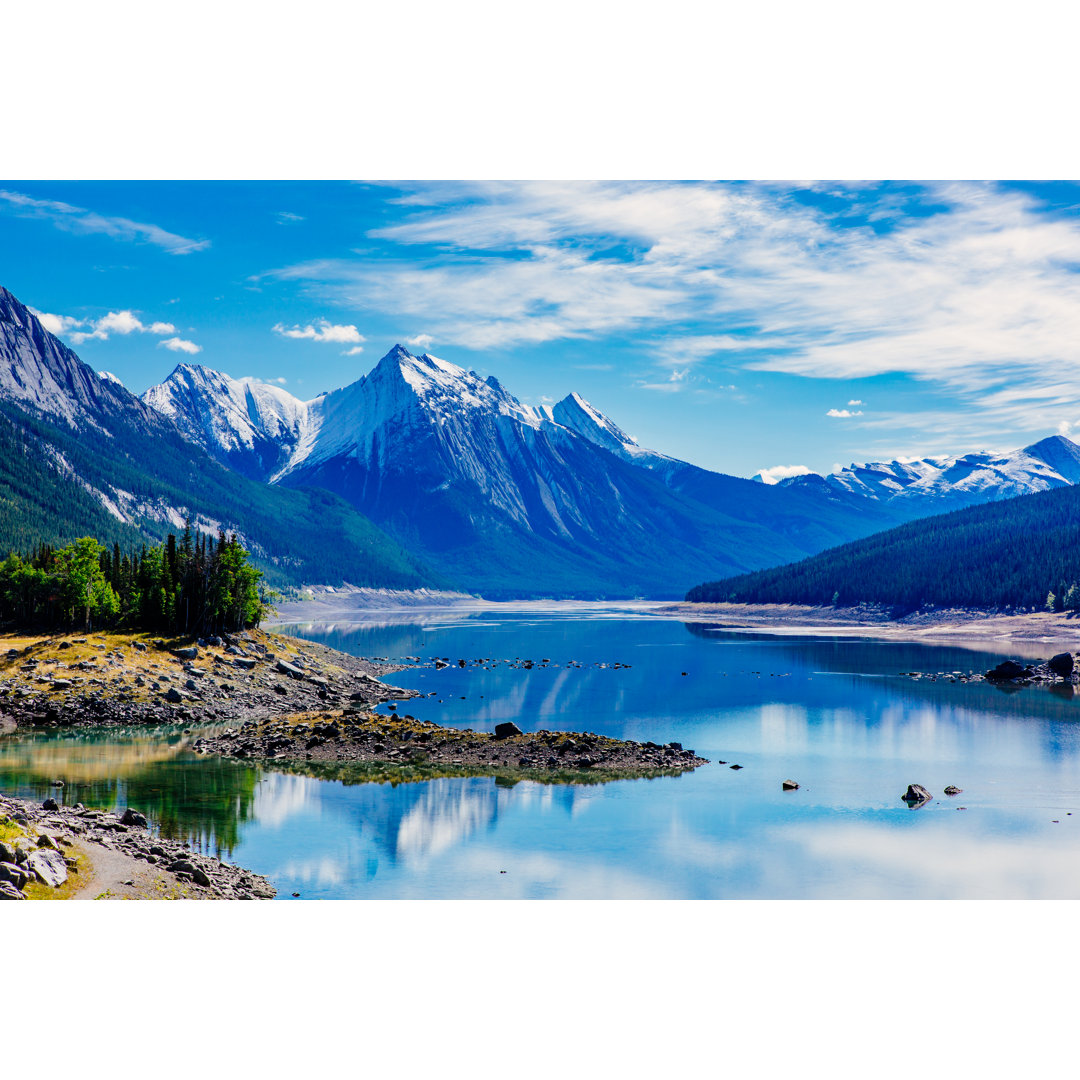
[740,326]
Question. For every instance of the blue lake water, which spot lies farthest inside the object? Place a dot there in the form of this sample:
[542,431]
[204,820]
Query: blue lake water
[832,714]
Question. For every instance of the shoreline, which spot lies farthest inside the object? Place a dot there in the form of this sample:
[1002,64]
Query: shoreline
[978,630]
[74,853]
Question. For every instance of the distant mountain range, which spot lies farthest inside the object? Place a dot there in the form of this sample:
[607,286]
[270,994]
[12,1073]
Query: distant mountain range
[424,474]
[932,485]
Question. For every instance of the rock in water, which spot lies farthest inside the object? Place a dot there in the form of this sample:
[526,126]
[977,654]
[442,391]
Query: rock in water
[1007,669]
[504,731]
[48,866]
[952,789]
[1062,664]
[790,785]
[916,795]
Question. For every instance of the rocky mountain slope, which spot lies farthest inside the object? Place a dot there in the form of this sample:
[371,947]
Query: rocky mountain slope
[81,455]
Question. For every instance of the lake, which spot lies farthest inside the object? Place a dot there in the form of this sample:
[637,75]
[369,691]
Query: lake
[833,714]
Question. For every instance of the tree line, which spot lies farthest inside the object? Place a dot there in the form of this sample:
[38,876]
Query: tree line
[193,584]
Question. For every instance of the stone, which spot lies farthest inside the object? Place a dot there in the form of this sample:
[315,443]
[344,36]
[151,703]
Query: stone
[9,892]
[505,730]
[245,662]
[916,794]
[132,817]
[173,695]
[138,646]
[199,876]
[157,850]
[50,804]
[440,664]
[288,669]
[1007,669]
[10,871]
[46,841]
[953,790]
[187,654]
[191,684]
[789,785]
[180,866]
[1062,664]
[48,867]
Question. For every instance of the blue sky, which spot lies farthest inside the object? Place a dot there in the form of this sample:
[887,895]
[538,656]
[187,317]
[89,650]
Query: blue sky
[740,326]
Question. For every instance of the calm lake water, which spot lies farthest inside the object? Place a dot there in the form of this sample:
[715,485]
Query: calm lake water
[832,714]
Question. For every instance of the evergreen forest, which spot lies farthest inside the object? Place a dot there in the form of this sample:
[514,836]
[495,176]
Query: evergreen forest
[1020,554]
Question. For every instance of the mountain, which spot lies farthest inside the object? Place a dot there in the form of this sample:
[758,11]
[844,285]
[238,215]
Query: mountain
[1008,553]
[81,455]
[252,427]
[932,485]
[506,498]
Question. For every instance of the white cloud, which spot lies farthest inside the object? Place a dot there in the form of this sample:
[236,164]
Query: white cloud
[977,291]
[421,341]
[76,219]
[354,351]
[781,472]
[856,402]
[115,322]
[176,344]
[322,330]
[284,217]
[845,413]
[57,324]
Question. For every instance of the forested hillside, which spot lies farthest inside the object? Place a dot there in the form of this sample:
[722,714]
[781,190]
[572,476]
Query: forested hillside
[1019,553]
[294,535]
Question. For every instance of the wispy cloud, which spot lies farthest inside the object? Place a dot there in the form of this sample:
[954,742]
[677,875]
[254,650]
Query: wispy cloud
[973,287]
[285,217]
[844,413]
[77,219]
[322,330]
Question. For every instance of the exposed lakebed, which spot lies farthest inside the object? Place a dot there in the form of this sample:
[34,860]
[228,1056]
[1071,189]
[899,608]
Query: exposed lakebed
[835,715]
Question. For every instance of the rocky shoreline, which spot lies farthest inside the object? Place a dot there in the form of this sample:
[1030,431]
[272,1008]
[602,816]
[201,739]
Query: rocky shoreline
[113,679]
[1060,670]
[358,735]
[66,852]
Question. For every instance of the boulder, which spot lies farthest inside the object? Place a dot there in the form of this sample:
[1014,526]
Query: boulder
[133,817]
[9,892]
[288,669]
[14,874]
[245,662]
[1007,669]
[1062,664]
[173,695]
[952,789]
[48,867]
[187,654]
[789,785]
[505,730]
[138,646]
[50,804]
[7,853]
[916,795]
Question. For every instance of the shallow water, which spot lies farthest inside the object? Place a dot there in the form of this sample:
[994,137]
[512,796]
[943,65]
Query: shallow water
[832,714]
